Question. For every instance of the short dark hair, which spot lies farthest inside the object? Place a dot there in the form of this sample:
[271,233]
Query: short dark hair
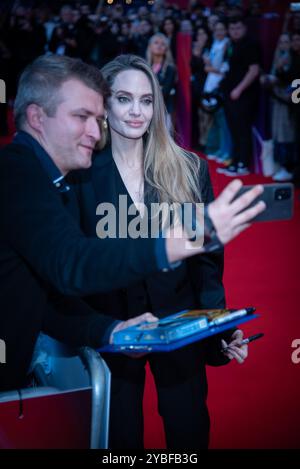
[41,81]
[237,19]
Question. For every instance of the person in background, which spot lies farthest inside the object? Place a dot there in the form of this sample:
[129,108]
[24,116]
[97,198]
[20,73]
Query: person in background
[125,38]
[240,87]
[289,75]
[201,120]
[64,37]
[295,74]
[186,26]
[169,28]
[218,144]
[212,20]
[141,39]
[283,126]
[159,56]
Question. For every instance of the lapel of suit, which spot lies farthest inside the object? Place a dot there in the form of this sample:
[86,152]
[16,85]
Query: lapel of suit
[103,177]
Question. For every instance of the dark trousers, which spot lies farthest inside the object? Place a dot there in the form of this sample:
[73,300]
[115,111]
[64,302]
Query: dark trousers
[181,386]
[3,119]
[284,154]
[297,147]
[240,116]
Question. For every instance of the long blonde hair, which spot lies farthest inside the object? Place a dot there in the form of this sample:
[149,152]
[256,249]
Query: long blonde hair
[168,59]
[168,169]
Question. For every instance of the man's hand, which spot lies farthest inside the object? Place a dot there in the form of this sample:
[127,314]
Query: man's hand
[236,351]
[225,214]
[146,317]
[226,217]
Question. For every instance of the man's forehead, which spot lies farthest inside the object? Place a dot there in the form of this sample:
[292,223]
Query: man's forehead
[77,87]
[77,94]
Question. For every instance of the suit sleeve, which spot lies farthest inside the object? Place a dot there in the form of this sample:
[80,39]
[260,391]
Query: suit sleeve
[72,321]
[38,227]
[168,81]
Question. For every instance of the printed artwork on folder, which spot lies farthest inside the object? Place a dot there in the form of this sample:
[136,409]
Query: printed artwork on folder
[178,329]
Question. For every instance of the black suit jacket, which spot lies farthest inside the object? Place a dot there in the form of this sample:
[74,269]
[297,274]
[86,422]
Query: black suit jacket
[41,245]
[197,283]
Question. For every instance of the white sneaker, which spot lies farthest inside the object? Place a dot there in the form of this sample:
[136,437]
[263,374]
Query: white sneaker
[242,170]
[222,158]
[282,175]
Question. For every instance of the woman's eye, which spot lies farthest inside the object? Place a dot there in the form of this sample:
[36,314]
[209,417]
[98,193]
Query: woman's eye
[82,117]
[123,99]
[148,102]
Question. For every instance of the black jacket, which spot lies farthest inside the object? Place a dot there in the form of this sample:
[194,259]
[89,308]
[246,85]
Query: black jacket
[41,245]
[197,283]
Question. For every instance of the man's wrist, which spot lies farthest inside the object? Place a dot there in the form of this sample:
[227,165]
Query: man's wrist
[211,240]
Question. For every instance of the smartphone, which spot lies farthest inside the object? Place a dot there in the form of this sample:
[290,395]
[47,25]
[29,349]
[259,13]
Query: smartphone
[279,200]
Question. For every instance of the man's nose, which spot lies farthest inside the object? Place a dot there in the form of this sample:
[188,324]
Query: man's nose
[93,129]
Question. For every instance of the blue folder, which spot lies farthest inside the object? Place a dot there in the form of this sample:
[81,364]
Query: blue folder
[176,344]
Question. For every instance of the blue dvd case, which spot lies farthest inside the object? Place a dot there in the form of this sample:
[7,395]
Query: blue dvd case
[177,330]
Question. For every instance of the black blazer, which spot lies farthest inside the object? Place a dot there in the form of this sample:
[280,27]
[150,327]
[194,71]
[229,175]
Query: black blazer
[167,81]
[196,283]
[41,245]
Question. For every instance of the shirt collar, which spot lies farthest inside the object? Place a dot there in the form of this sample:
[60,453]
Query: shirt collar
[24,138]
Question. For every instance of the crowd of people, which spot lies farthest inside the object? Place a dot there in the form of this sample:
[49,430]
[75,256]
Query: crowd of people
[225,65]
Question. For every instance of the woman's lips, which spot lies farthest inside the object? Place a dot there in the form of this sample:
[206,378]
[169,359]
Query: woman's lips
[134,123]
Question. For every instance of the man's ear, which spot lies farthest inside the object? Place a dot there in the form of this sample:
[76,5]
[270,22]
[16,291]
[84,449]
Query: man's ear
[35,116]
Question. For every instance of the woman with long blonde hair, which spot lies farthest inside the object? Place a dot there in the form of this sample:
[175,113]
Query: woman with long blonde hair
[159,56]
[143,163]
[168,168]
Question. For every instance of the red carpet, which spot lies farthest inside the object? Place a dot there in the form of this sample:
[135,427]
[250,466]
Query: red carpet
[255,405]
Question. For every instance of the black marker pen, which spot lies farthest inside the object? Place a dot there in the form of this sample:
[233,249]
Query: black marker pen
[246,341]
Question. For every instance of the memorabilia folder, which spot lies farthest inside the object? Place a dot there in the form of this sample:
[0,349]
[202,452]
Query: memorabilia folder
[177,330]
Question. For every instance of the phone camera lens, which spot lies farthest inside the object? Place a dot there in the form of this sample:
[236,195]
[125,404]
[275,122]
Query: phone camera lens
[283,194]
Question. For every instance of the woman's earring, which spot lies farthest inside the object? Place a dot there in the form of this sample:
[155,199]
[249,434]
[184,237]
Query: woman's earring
[105,125]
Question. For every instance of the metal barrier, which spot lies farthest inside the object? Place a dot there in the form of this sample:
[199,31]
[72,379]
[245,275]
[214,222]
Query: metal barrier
[66,374]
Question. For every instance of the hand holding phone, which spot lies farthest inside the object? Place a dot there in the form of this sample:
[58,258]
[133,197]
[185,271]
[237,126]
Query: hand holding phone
[278,198]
